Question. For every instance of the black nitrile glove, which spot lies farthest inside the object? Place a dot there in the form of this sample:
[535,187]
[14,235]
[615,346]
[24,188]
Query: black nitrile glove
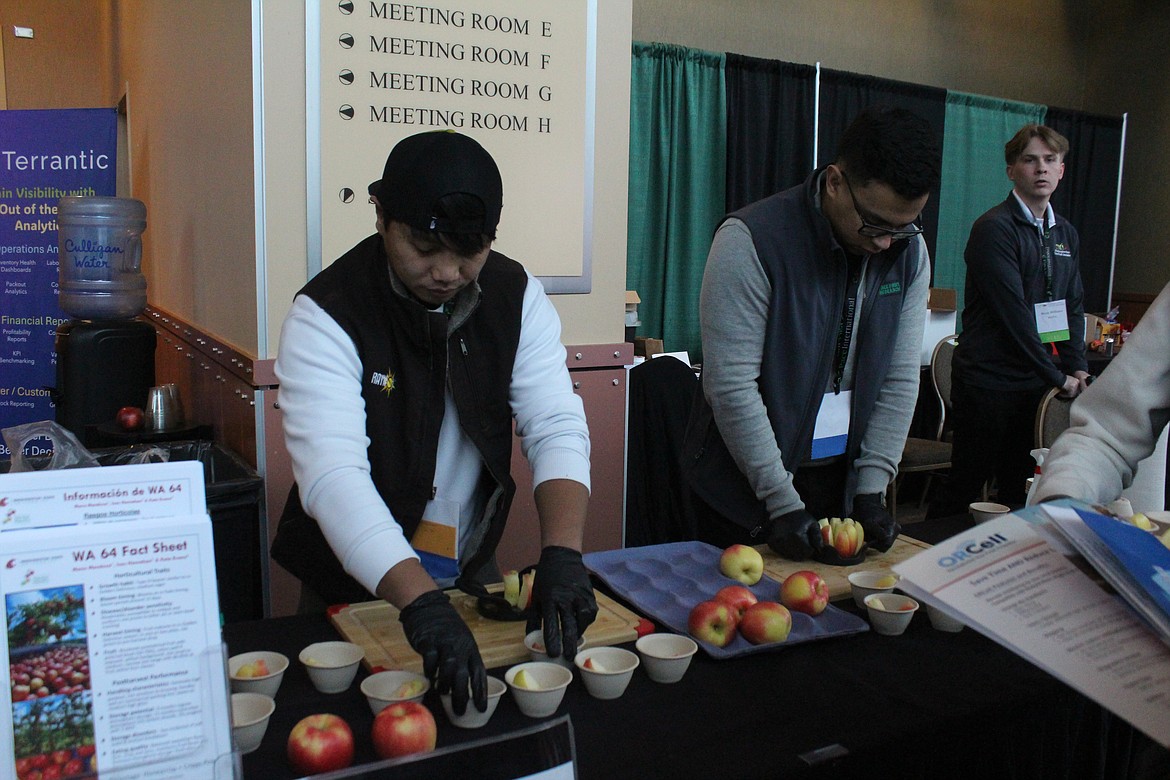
[450,656]
[796,535]
[880,528]
[562,599]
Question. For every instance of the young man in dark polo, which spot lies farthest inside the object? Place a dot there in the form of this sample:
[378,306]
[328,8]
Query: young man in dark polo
[1023,298]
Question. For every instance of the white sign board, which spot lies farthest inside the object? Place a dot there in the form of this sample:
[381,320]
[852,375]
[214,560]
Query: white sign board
[516,76]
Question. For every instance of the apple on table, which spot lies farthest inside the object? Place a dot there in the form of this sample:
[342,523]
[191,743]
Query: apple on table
[738,597]
[805,591]
[130,418]
[320,743]
[766,621]
[712,621]
[404,728]
[743,563]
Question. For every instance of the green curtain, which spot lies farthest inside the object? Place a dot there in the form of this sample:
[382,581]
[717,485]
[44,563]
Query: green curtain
[678,143]
[973,173]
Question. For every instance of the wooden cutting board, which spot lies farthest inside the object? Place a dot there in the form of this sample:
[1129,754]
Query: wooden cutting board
[374,625]
[836,577]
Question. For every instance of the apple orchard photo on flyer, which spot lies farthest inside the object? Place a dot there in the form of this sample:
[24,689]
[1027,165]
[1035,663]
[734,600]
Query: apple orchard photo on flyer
[48,663]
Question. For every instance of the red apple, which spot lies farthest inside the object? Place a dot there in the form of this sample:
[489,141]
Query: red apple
[743,563]
[712,621]
[738,597]
[404,728]
[765,621]
[805,591]
[320,743]
[130,418]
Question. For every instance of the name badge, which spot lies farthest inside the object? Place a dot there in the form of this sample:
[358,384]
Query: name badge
[831,433]
[1052,321]
[436,540]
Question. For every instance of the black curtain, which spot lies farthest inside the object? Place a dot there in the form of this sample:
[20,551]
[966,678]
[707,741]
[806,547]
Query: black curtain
[844,95]
[1087,196]
[770,113]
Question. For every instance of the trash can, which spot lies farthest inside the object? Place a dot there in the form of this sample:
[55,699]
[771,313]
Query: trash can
[234,492]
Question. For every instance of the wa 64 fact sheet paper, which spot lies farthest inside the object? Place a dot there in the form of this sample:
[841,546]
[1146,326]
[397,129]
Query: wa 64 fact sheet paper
[111,570]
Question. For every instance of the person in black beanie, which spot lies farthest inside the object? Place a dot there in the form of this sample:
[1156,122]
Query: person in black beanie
[402,367]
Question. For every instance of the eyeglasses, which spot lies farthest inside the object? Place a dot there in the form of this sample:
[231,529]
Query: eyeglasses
[874,231]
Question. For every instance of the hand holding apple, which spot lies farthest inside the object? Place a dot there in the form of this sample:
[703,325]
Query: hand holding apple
[404,728]
[320,743]
[743,563]
[712,621]
[805,591]
[844,536]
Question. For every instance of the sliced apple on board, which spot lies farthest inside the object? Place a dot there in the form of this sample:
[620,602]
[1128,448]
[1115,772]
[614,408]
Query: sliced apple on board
[843,535]
[512,587]
[517,589]
[525,600]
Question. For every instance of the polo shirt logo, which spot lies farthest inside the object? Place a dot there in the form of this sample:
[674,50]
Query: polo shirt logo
[889,288]
[384,381]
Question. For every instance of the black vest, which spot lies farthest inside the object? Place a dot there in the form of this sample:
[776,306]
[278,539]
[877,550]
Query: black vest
[408,360]
[808,273]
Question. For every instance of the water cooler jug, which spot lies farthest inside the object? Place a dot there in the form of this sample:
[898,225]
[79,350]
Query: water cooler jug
[105,357]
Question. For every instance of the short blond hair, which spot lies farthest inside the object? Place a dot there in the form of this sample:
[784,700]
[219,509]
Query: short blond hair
[1052,139]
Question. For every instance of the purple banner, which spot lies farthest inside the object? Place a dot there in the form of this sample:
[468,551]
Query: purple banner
[44,155]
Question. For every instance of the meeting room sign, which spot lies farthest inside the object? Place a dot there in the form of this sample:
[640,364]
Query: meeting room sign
[516,76]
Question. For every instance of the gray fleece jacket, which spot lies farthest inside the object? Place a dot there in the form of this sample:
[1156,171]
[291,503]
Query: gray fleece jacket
[735,310]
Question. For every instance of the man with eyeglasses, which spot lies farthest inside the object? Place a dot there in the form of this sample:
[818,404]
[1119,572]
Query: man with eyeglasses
[812,312]
[1023,327]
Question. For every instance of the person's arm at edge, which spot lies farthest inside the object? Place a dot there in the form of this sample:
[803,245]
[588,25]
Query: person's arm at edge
[1117,421]
[320,374]
[550,421]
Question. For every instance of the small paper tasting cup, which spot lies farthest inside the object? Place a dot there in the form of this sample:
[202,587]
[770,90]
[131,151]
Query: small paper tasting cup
[250,715]
[942,621]
[331,665]
[473,718]
[267,684]
[550,679]
[617,666]
[890,613]
[983,511]
[867,583]
[666,657]
[534,641]
[382,689]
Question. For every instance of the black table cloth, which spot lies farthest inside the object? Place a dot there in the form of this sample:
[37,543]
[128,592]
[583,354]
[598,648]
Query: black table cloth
[924,704]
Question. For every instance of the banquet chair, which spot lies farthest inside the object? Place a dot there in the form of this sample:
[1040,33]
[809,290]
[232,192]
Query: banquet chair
[1052,417]
[929,456]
